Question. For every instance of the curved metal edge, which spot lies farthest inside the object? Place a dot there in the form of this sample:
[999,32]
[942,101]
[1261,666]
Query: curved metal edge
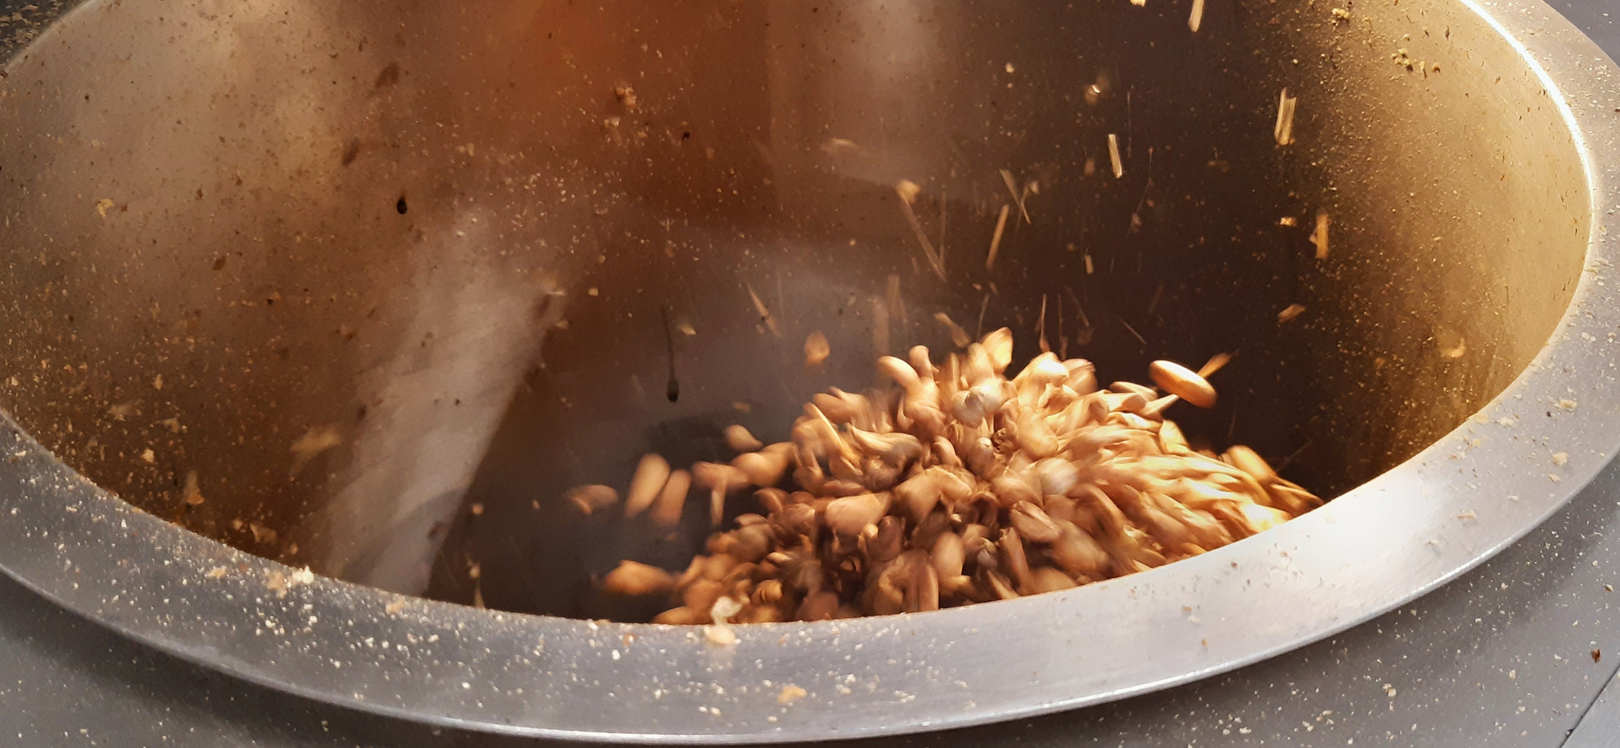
[1383,544]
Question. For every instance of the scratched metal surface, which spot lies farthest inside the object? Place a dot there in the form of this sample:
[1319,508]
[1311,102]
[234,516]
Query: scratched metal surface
[1500,657]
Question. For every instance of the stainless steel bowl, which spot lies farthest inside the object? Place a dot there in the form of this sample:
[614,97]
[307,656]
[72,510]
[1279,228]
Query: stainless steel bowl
[358,267]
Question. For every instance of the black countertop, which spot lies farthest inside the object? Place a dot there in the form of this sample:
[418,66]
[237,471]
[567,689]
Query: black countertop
[1515,653]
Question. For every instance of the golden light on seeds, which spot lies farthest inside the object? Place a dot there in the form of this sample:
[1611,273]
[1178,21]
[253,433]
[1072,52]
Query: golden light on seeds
[958,485]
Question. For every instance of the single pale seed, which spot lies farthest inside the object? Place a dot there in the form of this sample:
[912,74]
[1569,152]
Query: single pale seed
[949,555]
[738,438]
[1033,523]
[1250,462]
[849,515]
[816,349]
[651,474]
[1320,236]
[1156,408]
[1000,586]
[1147,393]
[632,578]
[1262,518]
[1057,476]
[1015,559]
[768,592]
[701,595]
[1078,552]
[681,616]
[1183,382]
[920,493]
[672,499]
[900,371]
[1214,364]
[959,337]
[717,504]
[998,345]
[922,593]
[1048,579]
[1171,439]
[762,468]
[591,498]
[894,445]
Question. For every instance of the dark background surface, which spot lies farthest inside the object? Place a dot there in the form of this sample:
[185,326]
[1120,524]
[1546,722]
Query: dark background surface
[1516,653]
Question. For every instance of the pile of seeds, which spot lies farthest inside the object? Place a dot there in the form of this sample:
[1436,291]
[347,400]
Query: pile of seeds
[961,486]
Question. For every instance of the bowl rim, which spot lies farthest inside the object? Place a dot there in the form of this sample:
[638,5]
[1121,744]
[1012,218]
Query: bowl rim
[1356,558]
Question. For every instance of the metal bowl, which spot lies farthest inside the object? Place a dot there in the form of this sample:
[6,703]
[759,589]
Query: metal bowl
[311,281]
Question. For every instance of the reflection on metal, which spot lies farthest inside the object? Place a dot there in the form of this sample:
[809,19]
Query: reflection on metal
[443,240]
